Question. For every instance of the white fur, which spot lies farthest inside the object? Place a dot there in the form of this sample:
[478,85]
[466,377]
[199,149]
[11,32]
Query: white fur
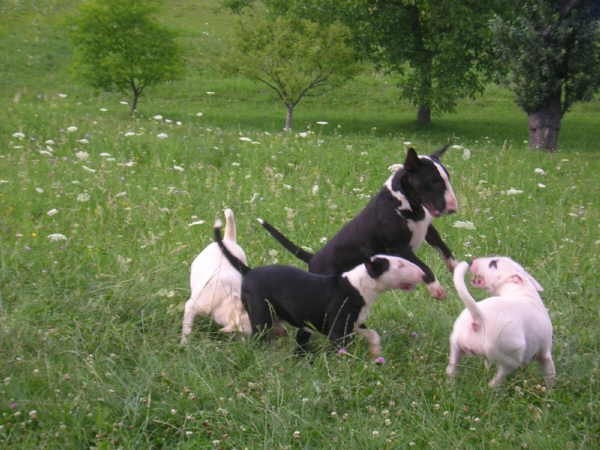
[509,329]
[215,287]
[402,274]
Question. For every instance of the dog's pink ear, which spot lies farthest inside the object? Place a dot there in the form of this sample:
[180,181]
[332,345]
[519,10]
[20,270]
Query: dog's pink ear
[412,160]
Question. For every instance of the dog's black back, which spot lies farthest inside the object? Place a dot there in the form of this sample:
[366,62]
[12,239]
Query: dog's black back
[383,225]
[334,317]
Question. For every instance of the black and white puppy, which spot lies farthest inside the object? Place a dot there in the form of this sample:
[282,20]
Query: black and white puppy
[335,305]
[394,222]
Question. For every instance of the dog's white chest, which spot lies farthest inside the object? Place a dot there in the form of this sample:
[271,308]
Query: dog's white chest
[418,230]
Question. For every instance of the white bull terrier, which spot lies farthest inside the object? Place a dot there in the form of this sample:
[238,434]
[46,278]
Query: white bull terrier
[215,287]
[509,329]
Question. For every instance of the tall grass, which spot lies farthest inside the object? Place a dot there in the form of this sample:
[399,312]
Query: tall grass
[89,325]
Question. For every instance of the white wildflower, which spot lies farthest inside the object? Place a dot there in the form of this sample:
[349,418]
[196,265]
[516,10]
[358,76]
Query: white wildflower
[210,93]
[464,224]
[322,122]
[123,102]
[315,189]
[196,222]
[61,95]
[120,194]
[103,109]
[129,133]
[168,121]
[82,156]
[18,135]
[83,141]
[513,191]
[49,142]
[72,129]
[52,212]
[39,190]
[456,147]
[45,153]
[57,237]
[245,139]
[466,154]
[303,134]
[157,117]
[83,197]
[199,114]
[539,171]
[407,143]
[541,185]
[178,123]
[178,168]
[88,169]
[162,135]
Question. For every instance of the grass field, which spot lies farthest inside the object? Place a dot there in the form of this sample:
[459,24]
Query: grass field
[98,227]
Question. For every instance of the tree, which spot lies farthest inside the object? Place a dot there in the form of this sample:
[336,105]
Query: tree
[552,48]
[293,57]
[119,46]
[440,48]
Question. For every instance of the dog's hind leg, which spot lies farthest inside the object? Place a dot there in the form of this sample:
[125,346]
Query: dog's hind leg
[455,354]
[547,364]
[189,314]
[302,337]
[502,372]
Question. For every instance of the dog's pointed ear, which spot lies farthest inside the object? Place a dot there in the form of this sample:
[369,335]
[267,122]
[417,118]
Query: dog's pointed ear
[438,153]
[376,266]
[412,160]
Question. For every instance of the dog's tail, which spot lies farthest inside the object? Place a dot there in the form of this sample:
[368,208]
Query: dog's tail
[289,245]
[465,296]
[230,230]
[235,261]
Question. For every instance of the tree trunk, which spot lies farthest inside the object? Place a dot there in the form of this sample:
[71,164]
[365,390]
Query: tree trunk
[544,125]
[134,102]
[424,115]
[289,118]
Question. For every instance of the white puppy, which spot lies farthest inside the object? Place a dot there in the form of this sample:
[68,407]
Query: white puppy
[509,329]
[216,286]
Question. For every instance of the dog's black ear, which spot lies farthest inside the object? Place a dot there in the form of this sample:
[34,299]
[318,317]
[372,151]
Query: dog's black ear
[377,266]
[412,160]
[438,153]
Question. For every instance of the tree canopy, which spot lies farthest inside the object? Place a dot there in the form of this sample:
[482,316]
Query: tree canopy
[120,46]
[292,56]
[552,51]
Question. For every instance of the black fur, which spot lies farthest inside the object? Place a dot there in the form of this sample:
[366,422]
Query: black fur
[382,227]
[326,303]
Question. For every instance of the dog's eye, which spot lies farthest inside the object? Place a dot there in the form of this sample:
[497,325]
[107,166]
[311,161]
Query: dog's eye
[493,264]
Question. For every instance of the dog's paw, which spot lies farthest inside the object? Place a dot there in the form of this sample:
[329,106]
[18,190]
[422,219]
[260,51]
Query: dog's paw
[436,290]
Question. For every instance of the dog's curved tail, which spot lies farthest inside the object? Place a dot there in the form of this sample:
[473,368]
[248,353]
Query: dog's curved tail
[465,296]
[235,262]
[230,229]
[289,245]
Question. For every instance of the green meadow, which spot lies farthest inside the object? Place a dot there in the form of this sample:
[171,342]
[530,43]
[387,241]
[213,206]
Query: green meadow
[102,213]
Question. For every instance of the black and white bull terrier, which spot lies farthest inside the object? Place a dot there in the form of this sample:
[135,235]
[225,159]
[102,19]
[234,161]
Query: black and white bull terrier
[215,287]
[394,222]
[509,329]
[335,305]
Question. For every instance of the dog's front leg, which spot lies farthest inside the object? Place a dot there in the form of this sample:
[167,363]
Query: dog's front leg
[434,239]
[374,341]
[433,286]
